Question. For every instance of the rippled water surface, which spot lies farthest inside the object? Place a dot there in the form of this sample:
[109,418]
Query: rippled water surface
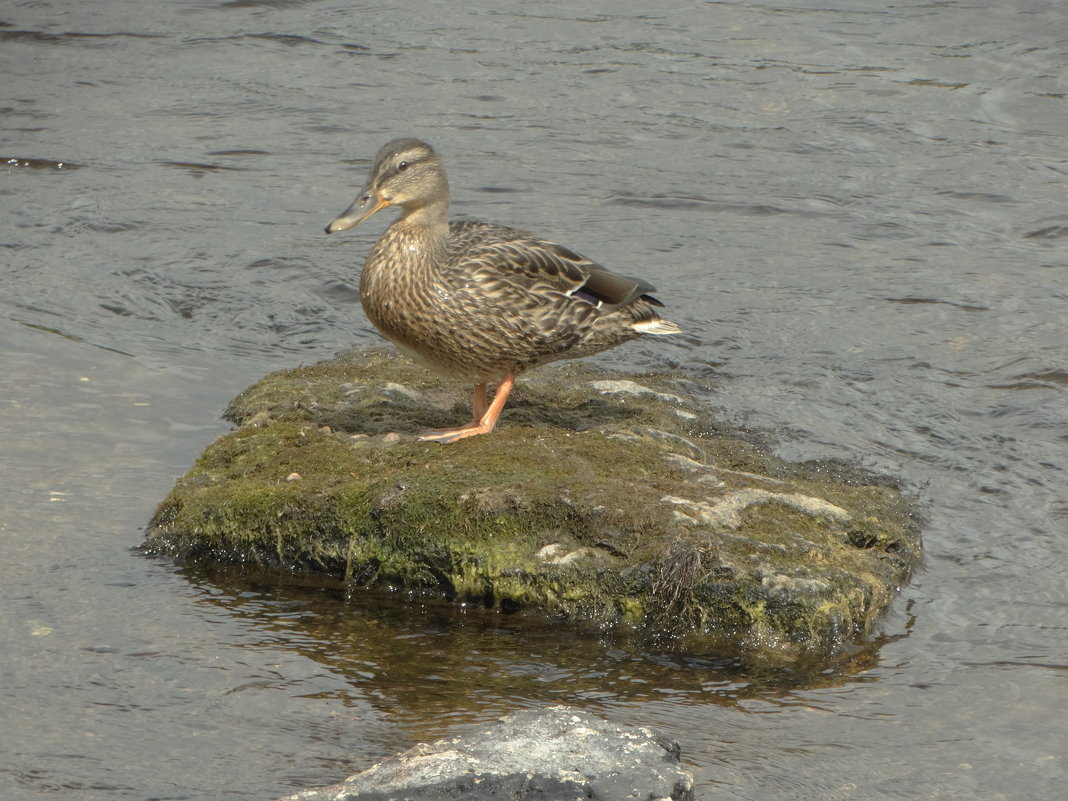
[856,210]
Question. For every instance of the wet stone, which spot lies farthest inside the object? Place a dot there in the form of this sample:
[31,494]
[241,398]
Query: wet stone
[594,502]
[555,753]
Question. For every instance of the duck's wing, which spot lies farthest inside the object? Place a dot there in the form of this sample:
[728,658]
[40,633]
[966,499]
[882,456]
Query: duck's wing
[495,255]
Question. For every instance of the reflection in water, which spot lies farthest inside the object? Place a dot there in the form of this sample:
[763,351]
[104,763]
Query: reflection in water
[429,664]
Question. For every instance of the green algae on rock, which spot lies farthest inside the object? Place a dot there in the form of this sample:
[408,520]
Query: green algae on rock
[609,499]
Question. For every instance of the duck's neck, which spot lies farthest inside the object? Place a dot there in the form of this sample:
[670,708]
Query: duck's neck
[433,215]
[427,225]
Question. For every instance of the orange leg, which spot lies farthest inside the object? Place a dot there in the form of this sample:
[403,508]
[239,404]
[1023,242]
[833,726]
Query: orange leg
[485,416]
[479,404]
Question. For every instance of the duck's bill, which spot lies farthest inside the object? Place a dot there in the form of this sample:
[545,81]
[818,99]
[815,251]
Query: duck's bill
[366,204]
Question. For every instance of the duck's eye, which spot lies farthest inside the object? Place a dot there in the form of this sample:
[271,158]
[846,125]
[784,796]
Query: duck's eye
[403,166]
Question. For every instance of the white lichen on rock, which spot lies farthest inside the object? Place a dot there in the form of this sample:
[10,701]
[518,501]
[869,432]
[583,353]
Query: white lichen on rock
[726,512]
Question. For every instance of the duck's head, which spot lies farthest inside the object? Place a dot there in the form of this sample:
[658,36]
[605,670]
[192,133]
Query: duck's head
[406,173]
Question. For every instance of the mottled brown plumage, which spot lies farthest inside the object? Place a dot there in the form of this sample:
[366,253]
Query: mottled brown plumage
[480,301]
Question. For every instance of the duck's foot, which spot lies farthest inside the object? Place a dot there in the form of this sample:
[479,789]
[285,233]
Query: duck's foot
[485,415]
[447,435]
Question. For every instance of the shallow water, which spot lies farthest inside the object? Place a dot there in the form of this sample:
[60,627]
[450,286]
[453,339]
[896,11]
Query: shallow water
[858,214]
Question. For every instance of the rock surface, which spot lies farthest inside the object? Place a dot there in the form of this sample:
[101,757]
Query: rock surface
[554,754]
[612,500]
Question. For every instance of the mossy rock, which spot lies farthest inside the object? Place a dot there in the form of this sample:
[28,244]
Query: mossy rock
[608,499]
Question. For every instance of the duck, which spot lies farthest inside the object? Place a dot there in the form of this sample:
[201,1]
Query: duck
[477,301]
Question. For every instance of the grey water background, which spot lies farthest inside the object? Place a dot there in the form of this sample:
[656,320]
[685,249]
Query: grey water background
[857,210]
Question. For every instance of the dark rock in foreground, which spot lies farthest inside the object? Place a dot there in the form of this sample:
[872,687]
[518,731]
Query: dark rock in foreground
[603,499]
[554,754]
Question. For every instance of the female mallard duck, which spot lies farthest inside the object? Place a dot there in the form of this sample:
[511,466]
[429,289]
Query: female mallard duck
[479,301]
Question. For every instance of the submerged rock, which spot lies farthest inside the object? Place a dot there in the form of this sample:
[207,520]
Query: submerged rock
[555,753]
[613,500]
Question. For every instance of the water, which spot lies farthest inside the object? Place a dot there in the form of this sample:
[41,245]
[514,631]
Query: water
[857,212]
